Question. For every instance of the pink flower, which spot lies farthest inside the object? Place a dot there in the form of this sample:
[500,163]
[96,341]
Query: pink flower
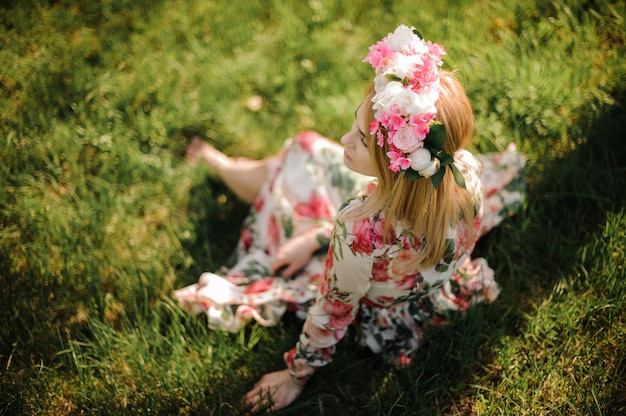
[340,333]
[259,203]
[370,302]
[402,268]
[340,322]
[306,139]
[379,270]
[323,285]
[329,259]
[362,231]
[398,161]
[436,51]
[378,54]
[461,243]
[424,75]
[396,110]
[246,239]
[315,209]
[374,127]
[477,225]
[421,124]
[403,264]
[407,282]
[340,313]
[317,334]
[370,188]
[337,307]
[385,300]
[379,238]
[392,121]
[406,139]
[259,286]
[411,243]
[273,235]
[376,130]
[328,265]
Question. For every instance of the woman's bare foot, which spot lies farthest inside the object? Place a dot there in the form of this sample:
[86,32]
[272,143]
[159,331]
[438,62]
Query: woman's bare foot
[193,151]
[200,150]
[243,176]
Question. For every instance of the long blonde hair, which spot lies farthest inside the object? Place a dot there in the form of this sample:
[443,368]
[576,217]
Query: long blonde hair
[421,208]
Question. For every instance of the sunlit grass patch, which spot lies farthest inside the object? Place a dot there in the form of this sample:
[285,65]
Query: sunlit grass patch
[101,218]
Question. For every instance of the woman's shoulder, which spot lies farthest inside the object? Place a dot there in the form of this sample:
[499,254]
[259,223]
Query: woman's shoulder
[471,169]
[351,204]
[466,162]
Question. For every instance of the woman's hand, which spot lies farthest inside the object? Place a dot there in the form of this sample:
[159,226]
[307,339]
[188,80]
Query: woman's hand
[295,253]
[277,390]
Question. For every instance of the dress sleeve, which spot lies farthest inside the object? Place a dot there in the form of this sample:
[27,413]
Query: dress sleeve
[324,233]
[346,280]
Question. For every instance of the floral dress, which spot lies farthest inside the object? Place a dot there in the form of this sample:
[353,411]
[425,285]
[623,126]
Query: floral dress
[305,188]
[361,278]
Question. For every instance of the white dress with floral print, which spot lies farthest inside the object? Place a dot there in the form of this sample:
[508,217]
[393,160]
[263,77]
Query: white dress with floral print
[362,276]
[304,190]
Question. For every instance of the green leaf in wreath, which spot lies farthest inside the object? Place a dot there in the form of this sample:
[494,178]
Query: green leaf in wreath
[445,159]
[438,177]
[412,175]
[417,32]
[436,137]
[458,177]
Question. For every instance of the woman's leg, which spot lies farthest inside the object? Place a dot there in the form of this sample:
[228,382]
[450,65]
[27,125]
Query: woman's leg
[244,177]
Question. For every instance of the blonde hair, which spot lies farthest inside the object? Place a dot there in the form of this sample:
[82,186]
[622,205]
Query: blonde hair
[421,208]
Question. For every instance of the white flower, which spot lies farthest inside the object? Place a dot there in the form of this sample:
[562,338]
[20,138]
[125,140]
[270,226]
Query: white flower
[380,82]
[409,101]
[420,159]
[431,169]
[403,40]
[403,65]
[393,93]
[424,102]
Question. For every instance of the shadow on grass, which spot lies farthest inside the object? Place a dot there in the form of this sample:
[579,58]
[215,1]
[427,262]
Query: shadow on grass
[568,202]
[217,216]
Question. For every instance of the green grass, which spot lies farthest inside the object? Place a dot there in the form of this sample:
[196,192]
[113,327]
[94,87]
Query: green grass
[101,218]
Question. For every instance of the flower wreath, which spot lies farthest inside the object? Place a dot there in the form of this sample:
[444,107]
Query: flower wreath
[406,88]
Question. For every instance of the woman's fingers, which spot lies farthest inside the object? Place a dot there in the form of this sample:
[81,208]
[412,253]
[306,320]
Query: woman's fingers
[259,397]
[275,390]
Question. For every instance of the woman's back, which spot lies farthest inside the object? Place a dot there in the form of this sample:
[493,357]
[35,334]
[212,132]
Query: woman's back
[371,270]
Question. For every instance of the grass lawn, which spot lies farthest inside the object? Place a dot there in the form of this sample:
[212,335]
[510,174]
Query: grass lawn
[101,217]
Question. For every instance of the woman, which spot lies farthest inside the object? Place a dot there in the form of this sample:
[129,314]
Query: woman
[398,261]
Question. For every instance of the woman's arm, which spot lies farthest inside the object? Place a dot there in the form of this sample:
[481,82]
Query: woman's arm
[296,253]
[346,280]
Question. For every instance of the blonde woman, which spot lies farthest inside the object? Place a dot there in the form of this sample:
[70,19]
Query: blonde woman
[378,232]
